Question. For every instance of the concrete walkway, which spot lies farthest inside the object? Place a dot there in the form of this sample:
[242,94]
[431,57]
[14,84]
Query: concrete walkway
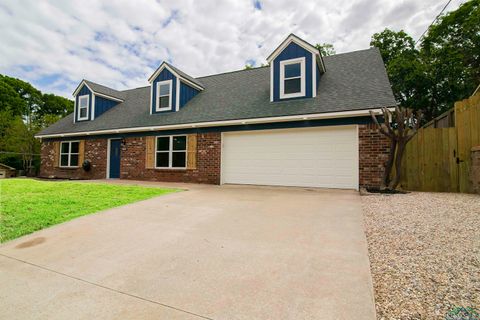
[229,252]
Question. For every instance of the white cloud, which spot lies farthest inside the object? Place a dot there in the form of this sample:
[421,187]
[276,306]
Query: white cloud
[55,44]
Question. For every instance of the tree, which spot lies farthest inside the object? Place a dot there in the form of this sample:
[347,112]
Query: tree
[57,105]
[405,69]
[400,127]
[445,69]
[392,44]
[451,49]
[20,140]
[249,66]
[10,99]
[53,109]
[326,49]
[24,111]
[32,97]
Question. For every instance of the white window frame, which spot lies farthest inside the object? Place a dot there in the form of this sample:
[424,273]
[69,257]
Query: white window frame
[170,83]
[283,63]
[170,151]
[80,108]
[69,153]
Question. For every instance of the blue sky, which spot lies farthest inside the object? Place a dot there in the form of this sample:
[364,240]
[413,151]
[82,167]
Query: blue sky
[56,44]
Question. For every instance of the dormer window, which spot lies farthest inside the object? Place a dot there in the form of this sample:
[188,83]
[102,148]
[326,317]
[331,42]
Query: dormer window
[164,95]
[83,107]
[295,70]
[292,78]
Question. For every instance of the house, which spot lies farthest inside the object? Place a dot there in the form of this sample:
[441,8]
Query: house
[7,171]
[303,120]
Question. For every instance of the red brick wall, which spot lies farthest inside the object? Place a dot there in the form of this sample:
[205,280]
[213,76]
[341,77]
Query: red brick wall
[373,152]
[208,162]
[95,151]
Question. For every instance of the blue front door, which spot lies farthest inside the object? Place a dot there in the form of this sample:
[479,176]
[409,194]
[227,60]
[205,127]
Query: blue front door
[115,158]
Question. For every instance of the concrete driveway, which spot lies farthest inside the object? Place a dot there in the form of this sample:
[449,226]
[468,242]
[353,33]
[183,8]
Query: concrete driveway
[229,252]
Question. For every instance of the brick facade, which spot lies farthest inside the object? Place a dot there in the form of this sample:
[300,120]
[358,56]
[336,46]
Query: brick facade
[373,153]
[373,149]
[132,165]
[95,151]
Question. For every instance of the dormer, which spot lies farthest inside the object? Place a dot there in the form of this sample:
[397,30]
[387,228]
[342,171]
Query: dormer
[92,100]
[295,70]
[171,89]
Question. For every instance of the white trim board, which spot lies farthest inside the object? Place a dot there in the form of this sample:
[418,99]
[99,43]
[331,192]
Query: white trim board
[271,81]
[74,109]
[93,91]
[83,83]
[93,106]
[151,98]
[314,76]
[87,116]
[69,154]
[313,116]
[177,94]
[106,96]
[157,96]
[108,158]
[170,152]
[292,38]
[303,75]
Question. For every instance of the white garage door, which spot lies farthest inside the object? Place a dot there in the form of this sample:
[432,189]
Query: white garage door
[312,157]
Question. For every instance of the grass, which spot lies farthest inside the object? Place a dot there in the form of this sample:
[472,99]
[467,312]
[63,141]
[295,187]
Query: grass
[27,205]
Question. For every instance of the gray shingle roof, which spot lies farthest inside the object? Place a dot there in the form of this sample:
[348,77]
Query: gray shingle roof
[184,75]
[353,81]
[106,90]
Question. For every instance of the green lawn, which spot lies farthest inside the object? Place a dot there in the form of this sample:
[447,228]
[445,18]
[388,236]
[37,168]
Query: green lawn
[27,205]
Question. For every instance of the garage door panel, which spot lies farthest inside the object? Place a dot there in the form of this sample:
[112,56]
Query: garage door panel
[313,157]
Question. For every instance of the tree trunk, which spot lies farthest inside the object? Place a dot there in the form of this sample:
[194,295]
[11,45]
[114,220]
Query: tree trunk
[398,164]
[389,165]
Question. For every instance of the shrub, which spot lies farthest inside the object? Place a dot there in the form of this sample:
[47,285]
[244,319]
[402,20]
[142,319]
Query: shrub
[462,313]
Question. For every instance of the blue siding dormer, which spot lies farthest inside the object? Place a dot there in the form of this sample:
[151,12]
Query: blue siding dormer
[171,89]
[162,76]
[186,93]
[83,91]
[293,51]
[102,105]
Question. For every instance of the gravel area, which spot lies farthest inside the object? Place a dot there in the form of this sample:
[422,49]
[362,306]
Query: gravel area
[424,252]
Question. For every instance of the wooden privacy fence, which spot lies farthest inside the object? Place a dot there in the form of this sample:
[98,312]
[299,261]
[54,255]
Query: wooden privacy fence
[438,159]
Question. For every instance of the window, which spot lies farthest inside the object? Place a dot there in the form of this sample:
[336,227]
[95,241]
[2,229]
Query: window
[292,78]
[69,154]
[83,107]
[171,152]
[164,95]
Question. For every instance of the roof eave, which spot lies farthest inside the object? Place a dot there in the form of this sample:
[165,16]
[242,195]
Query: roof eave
[292,38]
[83,82]
[298,117]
